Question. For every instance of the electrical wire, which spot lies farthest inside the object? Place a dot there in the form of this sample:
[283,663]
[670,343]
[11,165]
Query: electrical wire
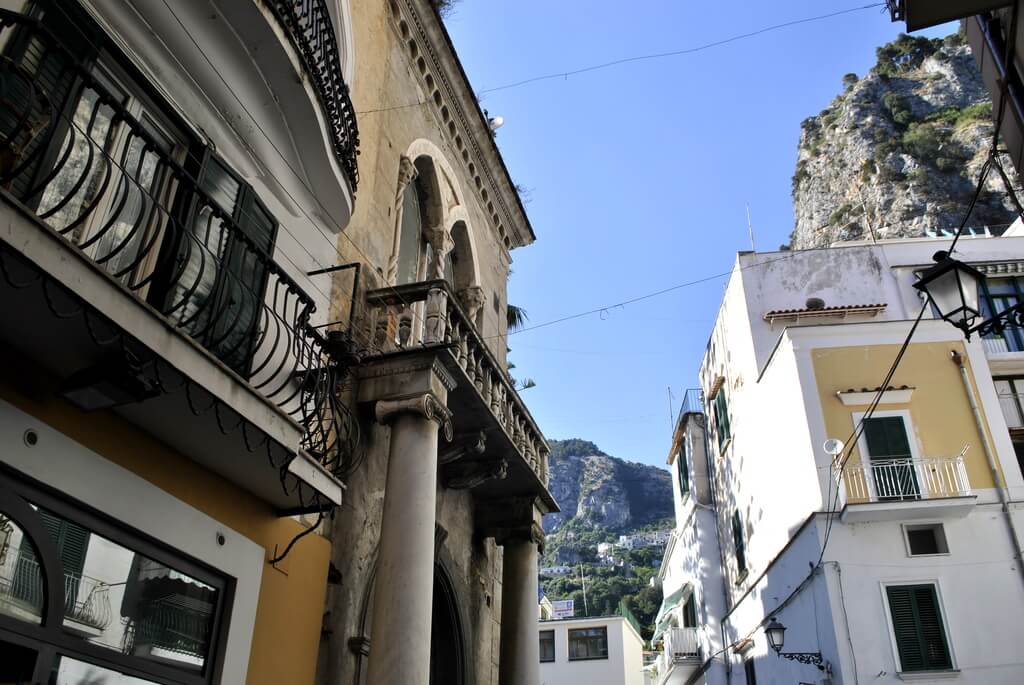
[674,53]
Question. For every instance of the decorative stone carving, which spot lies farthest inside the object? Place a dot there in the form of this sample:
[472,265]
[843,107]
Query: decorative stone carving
[468,474]
[470,448]
[441,243]
[472,299]
[406,173]
[436,321]
[425,404]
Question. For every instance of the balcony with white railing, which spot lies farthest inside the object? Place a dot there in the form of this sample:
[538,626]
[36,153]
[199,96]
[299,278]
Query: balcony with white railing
[889,489]
[680,656]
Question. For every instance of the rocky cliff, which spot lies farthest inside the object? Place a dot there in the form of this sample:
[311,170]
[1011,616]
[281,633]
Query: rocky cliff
[601,491]
[897,154]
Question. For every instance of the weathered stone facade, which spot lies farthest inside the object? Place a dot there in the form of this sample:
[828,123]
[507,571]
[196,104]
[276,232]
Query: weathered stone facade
[421,131]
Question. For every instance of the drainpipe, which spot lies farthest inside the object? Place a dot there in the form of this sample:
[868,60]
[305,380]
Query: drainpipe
[986,445]
[709,462]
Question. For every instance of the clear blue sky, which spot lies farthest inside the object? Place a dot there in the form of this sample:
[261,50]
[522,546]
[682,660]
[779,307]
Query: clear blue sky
[639,175]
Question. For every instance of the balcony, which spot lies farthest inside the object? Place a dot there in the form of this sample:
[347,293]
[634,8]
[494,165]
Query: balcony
[121,277]
[311,32]
[427,316]
[681,655]
[920,14]
[903,489]
[87,609]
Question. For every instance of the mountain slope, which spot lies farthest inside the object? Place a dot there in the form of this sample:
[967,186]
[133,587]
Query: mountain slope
[898,153]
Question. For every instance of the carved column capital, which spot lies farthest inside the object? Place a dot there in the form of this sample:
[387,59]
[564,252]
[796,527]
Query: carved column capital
[406,173]
[425,404]
[472,299]
[534,534]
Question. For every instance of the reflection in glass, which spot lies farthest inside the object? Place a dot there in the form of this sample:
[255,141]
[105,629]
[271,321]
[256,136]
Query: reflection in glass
[16,663]
[122,600]
[68,671]
[22,591]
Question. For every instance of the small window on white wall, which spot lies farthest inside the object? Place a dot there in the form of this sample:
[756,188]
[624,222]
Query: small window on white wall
[925,539]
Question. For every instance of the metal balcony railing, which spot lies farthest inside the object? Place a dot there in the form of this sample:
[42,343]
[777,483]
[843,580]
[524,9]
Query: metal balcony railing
[428,314]
[679,644]
[887,480]
[311,31]
[73,155]
[692,403]
[86,600]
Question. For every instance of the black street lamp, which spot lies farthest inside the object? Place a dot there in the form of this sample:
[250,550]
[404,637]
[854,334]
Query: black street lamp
[776,634]
[952,287]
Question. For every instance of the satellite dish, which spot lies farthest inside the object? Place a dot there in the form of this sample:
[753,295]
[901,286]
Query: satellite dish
[833,446]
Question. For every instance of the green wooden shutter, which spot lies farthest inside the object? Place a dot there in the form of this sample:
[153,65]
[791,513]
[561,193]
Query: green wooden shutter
[684,472]
[738,542]
[887,437]
[722,426]
[917,625]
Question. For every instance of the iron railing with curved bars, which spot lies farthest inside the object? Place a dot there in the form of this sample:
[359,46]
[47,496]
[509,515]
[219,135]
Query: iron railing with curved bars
[73,154]
[311,30]
[86,600]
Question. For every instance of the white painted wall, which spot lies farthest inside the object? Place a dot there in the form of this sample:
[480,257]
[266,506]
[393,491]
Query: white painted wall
[624,665]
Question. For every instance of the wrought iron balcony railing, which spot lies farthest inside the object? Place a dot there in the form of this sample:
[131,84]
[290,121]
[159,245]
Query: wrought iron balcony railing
[428,314]
[311,31]
[86,600]
[74,156]
[892,480]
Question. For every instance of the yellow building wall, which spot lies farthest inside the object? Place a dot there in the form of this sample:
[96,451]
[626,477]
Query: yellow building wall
[286,637]
[939,409]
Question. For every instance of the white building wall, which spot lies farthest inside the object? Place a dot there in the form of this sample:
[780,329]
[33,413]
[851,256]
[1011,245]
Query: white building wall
[624,665]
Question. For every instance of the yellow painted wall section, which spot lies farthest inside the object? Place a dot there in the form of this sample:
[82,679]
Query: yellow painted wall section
[939,409]
[286,638]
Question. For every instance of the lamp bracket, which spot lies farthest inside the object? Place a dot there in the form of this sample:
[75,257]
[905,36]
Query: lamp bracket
[811,658]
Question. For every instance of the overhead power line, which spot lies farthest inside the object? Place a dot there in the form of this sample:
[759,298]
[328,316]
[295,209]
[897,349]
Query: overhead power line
[676,53]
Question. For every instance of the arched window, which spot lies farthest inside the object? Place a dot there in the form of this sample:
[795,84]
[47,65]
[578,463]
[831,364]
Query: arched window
[411,237]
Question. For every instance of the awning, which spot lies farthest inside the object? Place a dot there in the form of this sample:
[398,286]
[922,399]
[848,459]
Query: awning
[670,602]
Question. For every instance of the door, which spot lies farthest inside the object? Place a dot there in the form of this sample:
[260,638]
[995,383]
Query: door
[890,459]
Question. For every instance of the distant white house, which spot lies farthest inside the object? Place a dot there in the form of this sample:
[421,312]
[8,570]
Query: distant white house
[654,538]
[605,650]
[561,570]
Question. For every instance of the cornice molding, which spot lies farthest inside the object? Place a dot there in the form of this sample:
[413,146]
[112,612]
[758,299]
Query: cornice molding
[452,101]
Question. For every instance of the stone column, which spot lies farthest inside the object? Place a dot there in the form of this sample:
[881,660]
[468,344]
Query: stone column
[515,524]
[402,607]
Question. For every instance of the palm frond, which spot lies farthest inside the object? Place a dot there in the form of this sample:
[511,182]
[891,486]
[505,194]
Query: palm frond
[516,317]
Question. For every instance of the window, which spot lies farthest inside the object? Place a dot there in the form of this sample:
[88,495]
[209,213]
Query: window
[918,628]
[739,543]
[547,646]
[998,294]
[749,673]
[925,539]
[1011,393]
[690,612]
[588,643]
[721,412]
[224,277]
[684,472]
[890,458]
[123,604]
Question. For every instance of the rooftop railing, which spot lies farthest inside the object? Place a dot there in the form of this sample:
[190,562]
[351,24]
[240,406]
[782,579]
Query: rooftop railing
[311,31]
[74,156]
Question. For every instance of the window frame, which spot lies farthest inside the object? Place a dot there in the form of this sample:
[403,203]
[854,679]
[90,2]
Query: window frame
[905,529]
[723,426]
[1012,335]
[569,643]
[750,671]
[915,452]
[50,638]
[554,647]
[739,543]
[683,470]
[943,616]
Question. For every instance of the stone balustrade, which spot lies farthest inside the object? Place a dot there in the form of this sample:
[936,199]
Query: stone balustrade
[429,314]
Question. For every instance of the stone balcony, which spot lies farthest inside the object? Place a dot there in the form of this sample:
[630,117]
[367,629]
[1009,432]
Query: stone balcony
[509,456]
